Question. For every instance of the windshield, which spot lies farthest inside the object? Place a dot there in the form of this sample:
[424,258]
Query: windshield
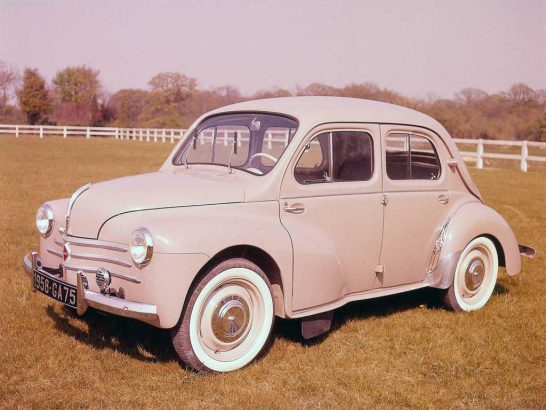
[252,142]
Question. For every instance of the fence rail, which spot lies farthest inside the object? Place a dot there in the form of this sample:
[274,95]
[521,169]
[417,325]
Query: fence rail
[139,134]
[480,153]
[173,134]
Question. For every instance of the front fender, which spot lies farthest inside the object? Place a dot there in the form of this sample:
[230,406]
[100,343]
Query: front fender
[469,221]
[210,229]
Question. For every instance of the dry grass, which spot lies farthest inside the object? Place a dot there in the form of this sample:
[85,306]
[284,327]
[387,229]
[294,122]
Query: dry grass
[400,351]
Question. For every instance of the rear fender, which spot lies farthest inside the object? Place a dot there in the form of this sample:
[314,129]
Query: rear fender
[469,221]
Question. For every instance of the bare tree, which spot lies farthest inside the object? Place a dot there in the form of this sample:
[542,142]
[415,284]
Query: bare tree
[9,77]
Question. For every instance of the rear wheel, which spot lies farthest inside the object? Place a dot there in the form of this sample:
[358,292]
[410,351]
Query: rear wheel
[475,276]
[227,319]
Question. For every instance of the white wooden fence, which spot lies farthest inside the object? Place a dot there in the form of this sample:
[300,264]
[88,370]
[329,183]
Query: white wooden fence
[138,134]
[172,134]
[522,157]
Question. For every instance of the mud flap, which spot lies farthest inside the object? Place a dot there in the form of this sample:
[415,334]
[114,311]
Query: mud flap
[316,325]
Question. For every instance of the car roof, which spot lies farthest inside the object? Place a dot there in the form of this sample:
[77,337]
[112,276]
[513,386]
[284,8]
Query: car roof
[318,110]
[314,110]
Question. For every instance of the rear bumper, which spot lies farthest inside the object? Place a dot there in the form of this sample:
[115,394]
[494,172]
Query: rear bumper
[528,251]
[85,298]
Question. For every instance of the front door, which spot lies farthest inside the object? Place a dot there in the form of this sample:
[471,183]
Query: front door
[416,198]
[331,207]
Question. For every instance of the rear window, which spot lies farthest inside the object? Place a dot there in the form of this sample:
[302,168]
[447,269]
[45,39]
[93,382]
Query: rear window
[411,157]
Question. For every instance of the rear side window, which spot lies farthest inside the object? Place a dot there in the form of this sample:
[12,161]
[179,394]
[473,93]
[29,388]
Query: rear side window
[336,157]
[410,156]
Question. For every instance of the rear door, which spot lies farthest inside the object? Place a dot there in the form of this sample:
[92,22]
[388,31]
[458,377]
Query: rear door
[416,200]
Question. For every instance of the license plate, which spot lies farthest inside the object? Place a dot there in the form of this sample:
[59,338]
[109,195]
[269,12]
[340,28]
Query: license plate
[55,289]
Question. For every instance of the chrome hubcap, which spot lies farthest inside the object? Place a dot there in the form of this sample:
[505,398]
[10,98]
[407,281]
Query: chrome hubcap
[230,319]
[474,274]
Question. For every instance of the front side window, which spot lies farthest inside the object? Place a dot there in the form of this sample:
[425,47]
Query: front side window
[252,142]
[410,156]
[338,156]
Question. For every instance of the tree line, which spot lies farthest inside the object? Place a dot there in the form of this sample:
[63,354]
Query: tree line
[76,96]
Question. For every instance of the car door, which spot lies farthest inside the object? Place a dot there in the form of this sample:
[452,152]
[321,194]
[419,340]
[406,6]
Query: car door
[331,207]
[416,200]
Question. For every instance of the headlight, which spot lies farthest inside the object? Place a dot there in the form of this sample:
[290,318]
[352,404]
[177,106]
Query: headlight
[44,220]
[141,247]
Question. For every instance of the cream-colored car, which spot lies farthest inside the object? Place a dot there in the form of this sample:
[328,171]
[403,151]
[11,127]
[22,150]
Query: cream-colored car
[288,207]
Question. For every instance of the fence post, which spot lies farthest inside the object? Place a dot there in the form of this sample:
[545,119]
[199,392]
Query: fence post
[163,135]
[87,133]
[172,136]
[16,131]
[116,133]
[479,156]
[155,135]
[65,132]
[140,134]
[182,134]
[147,135]
[41,132]
[524,155]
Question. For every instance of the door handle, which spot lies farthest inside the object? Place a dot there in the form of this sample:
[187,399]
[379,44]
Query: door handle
[296,209]
[443,199]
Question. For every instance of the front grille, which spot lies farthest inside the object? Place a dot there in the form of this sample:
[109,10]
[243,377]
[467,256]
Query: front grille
[88,255]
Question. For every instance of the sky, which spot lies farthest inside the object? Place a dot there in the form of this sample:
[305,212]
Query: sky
[421,48]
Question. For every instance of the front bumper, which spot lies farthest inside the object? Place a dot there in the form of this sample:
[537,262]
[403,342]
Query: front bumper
[85,298]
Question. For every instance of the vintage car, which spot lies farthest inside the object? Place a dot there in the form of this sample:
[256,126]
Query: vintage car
[288,207]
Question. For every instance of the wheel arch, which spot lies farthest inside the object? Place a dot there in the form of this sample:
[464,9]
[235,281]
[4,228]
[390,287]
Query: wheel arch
[499,248]
[257,256]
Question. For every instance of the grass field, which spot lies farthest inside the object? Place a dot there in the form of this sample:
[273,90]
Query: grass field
[395,352]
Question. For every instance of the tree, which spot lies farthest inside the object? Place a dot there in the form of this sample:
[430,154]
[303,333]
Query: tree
[76,91]
[172,87]
[522,93]
[8,80]
[127,106]
[317,89]
[34,98]
[470,95]
[272,93]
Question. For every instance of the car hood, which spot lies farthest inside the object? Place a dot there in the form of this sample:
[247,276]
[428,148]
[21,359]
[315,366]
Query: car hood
[104,200]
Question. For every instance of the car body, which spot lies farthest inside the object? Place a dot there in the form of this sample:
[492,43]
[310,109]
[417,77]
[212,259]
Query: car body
[300,205]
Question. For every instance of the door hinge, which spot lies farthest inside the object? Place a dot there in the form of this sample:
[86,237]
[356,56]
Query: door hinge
[384,199]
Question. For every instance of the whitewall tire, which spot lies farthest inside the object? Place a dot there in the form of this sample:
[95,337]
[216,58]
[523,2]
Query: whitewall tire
[475,276]
[227,319]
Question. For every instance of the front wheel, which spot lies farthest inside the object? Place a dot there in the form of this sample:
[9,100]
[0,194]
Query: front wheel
[475,276]
[227,319]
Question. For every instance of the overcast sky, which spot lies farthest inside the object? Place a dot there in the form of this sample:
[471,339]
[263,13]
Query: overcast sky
[419,48]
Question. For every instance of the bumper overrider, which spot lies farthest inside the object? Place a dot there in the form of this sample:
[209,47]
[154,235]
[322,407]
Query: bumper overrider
[86,298]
